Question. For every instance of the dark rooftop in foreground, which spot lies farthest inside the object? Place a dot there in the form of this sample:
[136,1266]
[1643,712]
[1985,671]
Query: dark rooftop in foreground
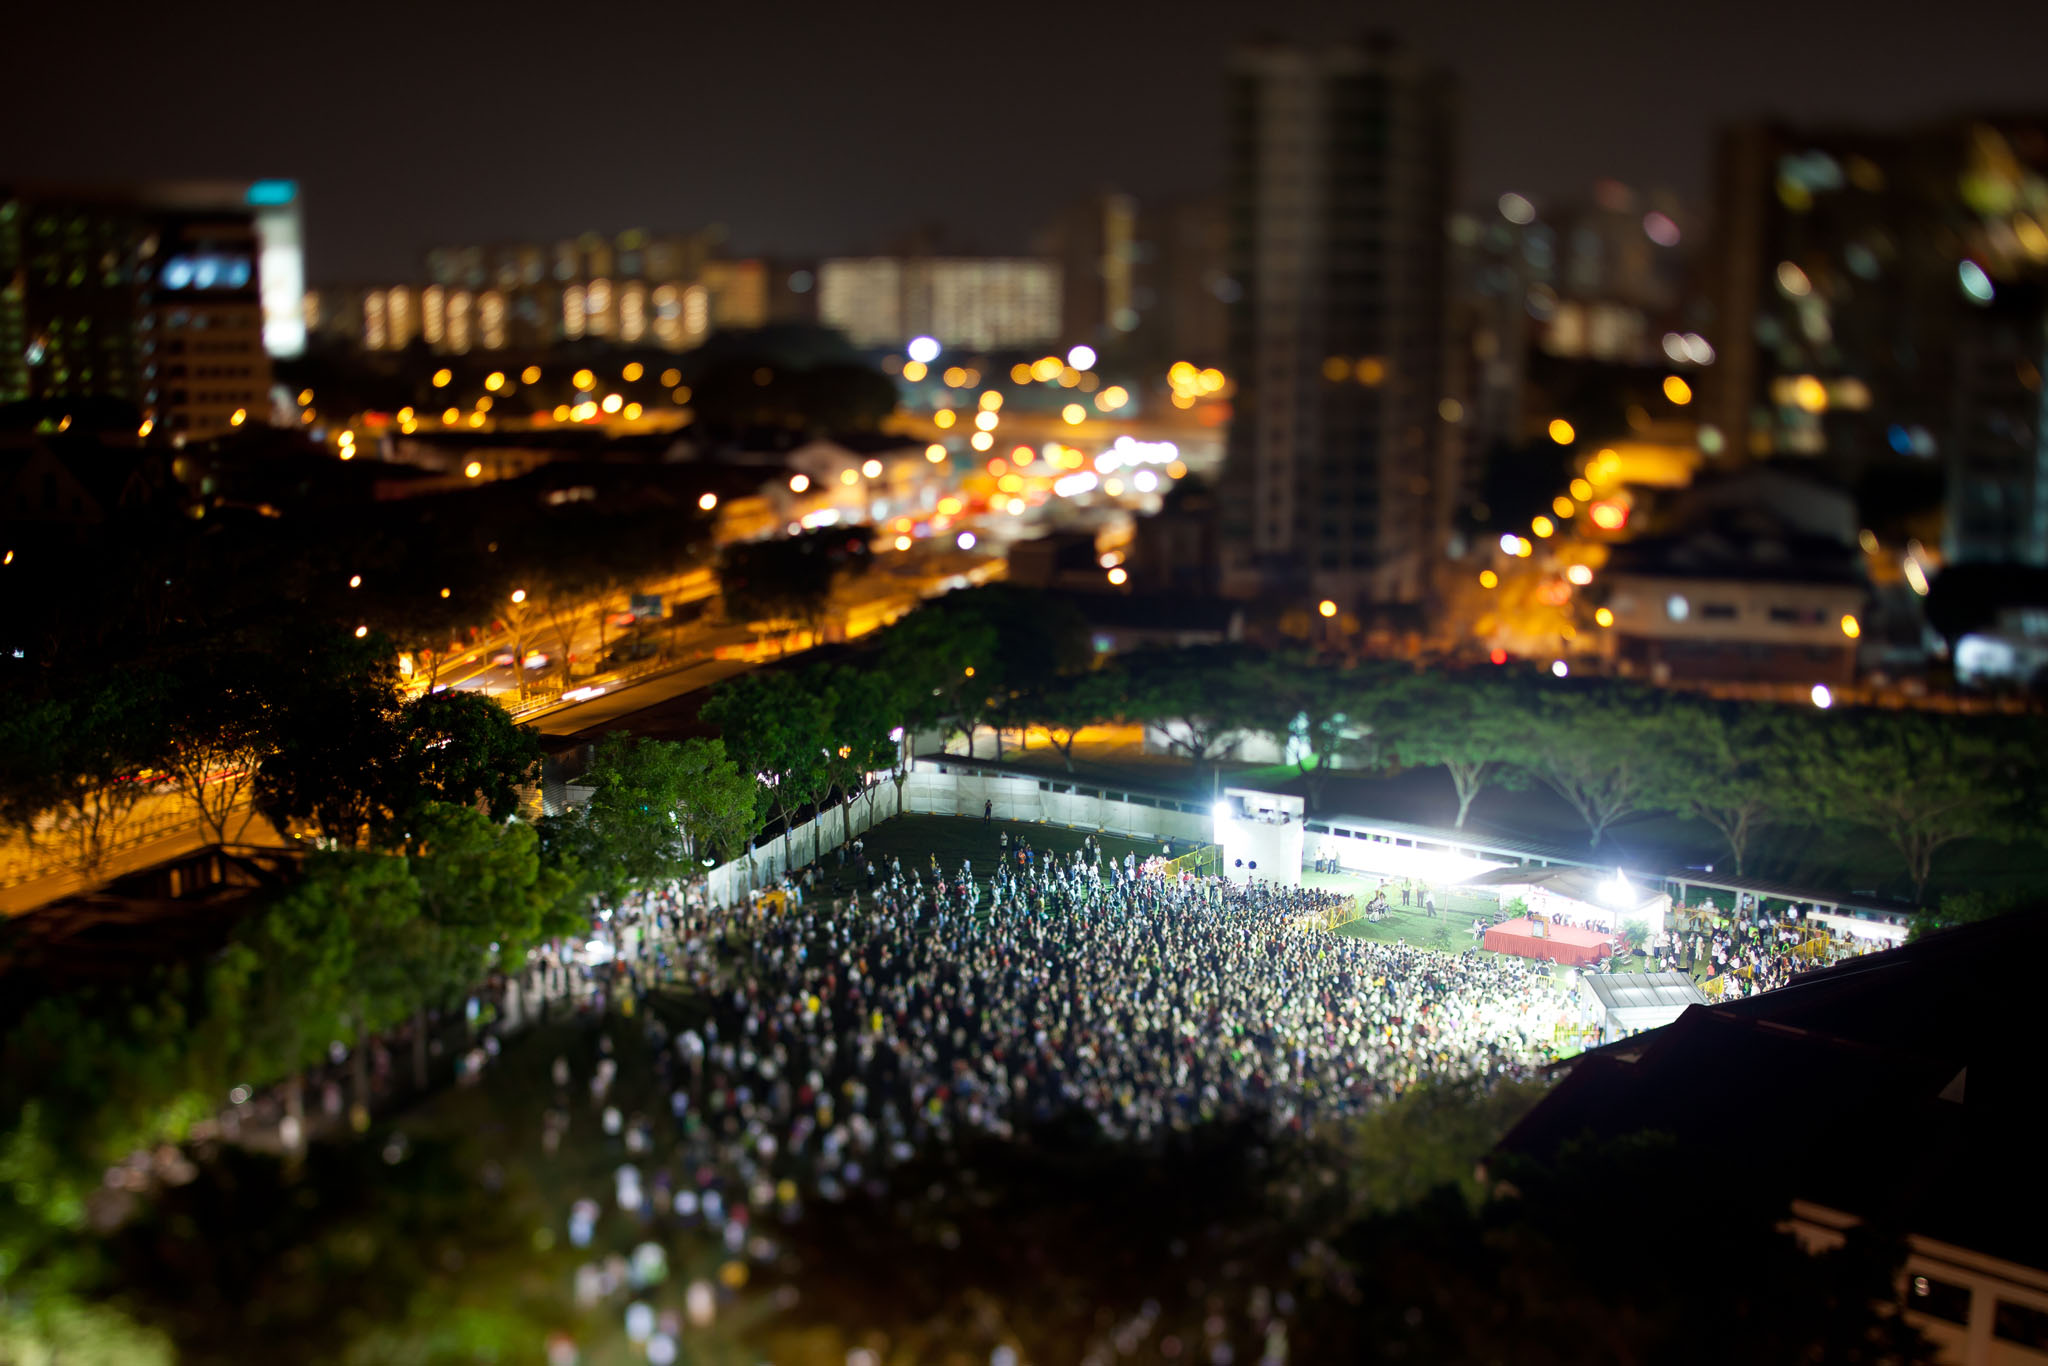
[1900,1087]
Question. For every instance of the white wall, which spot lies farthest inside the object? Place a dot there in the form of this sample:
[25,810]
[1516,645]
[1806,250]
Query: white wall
[729,882]
[929,791]
[1088,806]
[1273,846]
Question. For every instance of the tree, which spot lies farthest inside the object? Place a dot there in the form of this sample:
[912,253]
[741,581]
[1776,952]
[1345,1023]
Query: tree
[775,729]
[634,815]
[789,578]
[1730,766]
[657,805]
[933,656]
[1922,781]
[219,729]
[483,885]
[1067,704]
[863,707]
[337,768]
[1601,748]
[1327,718]
[1201,699]
[86,760]
[464,749]
[1472,724]
[1965,908]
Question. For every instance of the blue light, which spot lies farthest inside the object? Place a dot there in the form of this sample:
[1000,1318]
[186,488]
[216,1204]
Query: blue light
[1976,284]
[265,192]
[1901,440]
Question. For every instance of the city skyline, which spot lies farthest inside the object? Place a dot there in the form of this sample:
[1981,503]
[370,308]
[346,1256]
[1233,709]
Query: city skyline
[439,131]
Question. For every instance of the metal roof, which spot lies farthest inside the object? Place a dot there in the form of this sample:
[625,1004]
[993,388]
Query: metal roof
[1667,991]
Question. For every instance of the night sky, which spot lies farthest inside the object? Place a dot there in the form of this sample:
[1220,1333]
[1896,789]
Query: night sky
[828,127]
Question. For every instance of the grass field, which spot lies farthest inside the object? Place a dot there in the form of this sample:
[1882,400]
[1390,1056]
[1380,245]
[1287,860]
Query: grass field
[1409,924]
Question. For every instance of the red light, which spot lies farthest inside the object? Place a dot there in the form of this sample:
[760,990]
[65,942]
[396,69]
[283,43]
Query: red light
[1610,516]
[1499,656]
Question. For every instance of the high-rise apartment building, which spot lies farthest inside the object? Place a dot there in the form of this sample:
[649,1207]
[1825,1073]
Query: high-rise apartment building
[1878,299]
[979,303]
[634,289]
[1338,480]
[276,211]
[107,294]
[1145,283]
[1095,243]
[1997,437]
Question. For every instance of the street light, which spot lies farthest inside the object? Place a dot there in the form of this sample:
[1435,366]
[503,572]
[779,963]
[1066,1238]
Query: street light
[708,501]
[1823,696]
[519,595]
[1327,608]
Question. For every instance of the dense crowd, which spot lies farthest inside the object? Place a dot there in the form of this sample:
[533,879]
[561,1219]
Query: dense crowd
[932,1001]
[1753,951]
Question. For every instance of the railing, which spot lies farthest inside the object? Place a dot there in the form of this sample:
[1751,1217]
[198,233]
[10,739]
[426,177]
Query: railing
[1206,861]
[552,692]
[27,861]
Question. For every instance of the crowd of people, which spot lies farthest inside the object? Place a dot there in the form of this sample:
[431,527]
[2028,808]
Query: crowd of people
[1752,951]
[932,1000]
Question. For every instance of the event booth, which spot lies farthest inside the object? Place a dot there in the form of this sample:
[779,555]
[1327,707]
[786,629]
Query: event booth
[1579,898]
[1615,1005]
[1531,936]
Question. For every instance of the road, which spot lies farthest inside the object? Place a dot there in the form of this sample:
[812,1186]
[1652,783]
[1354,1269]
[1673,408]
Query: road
[159,829]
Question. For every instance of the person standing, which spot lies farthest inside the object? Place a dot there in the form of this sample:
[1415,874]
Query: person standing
[988,810]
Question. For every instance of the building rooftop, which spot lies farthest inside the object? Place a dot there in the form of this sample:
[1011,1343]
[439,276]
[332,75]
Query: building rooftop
[1900,1087]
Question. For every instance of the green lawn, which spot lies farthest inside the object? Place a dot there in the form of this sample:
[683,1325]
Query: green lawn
[1447,932]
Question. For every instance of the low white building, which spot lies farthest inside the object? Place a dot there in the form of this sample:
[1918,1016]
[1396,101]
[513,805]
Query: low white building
[1261,836]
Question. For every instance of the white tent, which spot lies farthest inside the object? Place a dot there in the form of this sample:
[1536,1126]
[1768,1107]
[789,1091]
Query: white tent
[1621,1004]
[1583,895]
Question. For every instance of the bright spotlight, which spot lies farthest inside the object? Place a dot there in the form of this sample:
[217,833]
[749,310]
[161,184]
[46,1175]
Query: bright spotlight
[924,350]
[1081,357]
[1823,696]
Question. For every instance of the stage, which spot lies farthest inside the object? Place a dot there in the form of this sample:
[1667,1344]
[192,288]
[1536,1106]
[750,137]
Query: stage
[1532,938]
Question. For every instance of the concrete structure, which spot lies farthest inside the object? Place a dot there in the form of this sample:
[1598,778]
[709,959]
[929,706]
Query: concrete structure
[1617,1005]
[110,294]
[971,303]
[1261,835]
[278,214]
[1752,578]
[665,291]
[1336,483]
[1895,1092]
[1997,446]
[1850,271]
